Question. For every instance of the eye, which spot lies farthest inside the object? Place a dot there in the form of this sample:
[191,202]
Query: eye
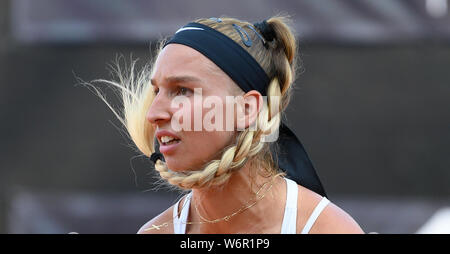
[183,90]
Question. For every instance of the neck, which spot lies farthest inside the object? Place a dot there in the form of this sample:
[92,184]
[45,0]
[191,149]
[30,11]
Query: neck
[238,192]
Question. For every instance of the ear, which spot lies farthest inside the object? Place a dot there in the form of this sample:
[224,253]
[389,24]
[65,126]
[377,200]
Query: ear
[248,108]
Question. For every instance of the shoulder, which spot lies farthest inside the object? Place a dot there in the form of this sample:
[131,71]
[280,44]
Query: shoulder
[158,224]
[332,219]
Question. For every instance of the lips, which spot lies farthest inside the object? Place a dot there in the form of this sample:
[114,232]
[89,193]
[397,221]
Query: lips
[172,141]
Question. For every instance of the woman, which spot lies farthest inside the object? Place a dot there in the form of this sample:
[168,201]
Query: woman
[236,184]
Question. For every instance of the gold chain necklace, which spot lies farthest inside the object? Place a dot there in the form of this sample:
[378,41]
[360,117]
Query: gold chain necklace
[225,218]
[240,210]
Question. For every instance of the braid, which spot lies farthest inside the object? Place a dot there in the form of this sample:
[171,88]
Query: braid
[248,144]
[277,60]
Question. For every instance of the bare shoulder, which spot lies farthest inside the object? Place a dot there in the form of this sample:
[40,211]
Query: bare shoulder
[332,219]
[158,224]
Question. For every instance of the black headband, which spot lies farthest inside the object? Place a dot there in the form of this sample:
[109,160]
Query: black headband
[234,60]
[248,74]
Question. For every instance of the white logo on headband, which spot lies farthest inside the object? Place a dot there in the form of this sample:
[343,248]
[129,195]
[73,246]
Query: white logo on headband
[188,28]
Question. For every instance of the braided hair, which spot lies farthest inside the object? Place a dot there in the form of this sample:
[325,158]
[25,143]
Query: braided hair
[274,49]
[275,52]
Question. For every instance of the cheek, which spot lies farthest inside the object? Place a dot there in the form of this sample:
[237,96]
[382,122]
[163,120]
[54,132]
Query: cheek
[205,146]
[200,116]
[202,146]
[198,148]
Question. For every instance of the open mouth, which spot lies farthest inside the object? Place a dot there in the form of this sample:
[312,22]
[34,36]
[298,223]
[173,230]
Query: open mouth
[166,140]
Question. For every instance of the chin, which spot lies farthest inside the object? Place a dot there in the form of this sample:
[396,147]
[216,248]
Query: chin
[178,164]
[173,164]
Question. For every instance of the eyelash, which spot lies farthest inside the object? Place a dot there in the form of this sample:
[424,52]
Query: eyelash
[156,90]
[187,90]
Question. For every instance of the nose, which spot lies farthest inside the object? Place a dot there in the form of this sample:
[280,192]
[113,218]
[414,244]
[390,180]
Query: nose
[159,111]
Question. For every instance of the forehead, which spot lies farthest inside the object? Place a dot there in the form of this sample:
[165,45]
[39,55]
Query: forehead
[178,60]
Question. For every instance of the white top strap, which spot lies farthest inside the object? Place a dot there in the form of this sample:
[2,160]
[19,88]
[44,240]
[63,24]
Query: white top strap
[179,223]
[315,214]
[289,225]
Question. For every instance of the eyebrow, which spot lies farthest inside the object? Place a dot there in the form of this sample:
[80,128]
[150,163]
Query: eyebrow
[177,79]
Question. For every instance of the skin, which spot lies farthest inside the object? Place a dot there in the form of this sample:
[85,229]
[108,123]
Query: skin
[198,147]
[177,61]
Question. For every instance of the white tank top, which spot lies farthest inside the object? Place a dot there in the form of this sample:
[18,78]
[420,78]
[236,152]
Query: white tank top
[289,225]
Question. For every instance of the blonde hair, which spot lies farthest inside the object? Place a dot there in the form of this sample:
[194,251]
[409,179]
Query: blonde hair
[278,60]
